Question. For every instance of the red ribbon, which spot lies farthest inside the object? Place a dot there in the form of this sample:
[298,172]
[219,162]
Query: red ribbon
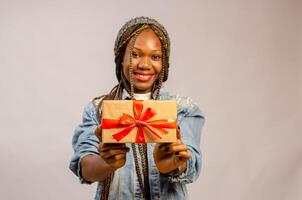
[141,121]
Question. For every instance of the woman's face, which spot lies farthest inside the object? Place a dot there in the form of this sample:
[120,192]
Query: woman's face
[146,61]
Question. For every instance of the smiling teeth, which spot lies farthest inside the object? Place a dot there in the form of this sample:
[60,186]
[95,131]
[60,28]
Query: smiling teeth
[143,77]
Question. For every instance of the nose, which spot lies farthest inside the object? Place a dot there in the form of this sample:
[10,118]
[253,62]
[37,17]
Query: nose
[144,64]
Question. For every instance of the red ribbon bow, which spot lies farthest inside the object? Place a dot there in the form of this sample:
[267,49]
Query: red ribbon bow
[140,120]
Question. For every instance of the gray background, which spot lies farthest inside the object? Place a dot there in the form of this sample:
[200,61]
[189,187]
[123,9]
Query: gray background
[240,61]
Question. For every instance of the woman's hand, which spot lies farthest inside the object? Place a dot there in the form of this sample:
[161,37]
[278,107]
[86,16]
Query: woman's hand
[169,156]
[114,154]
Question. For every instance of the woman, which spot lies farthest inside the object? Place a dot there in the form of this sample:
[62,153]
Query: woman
[139,171]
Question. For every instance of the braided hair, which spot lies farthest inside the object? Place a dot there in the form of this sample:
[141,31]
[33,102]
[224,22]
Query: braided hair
[127,35]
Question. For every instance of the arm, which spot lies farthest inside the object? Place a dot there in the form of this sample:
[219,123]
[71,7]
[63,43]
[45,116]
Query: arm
[171,157]
[87,163]
[112,157]
[94,168]
[190,121]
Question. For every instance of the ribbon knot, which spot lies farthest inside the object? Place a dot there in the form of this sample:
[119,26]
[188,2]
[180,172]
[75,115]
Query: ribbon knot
[141,120]
[140,123]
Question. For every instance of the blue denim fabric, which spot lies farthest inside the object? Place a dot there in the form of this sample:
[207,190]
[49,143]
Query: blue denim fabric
[125,184]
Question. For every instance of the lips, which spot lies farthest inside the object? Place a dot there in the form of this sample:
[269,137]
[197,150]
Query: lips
[143,77]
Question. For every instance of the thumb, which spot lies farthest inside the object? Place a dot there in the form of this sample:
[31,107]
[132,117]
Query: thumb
[178,132]
[98,132]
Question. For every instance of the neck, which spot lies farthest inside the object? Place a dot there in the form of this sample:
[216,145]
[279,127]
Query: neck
[142,96]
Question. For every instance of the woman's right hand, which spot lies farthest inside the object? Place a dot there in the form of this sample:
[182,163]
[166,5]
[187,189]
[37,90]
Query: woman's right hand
[114,154]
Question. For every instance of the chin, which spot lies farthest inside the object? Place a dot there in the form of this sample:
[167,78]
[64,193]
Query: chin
[143,88]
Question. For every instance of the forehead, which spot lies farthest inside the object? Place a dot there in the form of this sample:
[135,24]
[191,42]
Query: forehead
[148,38]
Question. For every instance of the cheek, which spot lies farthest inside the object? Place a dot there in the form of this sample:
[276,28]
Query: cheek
[158,67]
[134,62]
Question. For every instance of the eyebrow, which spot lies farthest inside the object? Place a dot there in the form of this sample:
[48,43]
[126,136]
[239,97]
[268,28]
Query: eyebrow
[141,50]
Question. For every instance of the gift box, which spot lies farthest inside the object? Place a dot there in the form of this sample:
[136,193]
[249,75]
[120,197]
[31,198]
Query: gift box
[138,121]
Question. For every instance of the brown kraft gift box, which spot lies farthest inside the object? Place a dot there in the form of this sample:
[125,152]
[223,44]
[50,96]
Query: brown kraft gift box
[139,121]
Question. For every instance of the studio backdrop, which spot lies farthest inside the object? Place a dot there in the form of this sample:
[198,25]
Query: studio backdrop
[240,61]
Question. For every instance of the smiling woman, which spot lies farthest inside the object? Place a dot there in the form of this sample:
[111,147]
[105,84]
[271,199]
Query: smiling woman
[139,171]
[146,62]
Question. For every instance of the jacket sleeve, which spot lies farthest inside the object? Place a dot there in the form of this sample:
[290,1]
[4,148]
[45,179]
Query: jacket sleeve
[190,120]
[84,141]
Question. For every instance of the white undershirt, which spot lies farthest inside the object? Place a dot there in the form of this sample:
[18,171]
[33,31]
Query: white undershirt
[143,96]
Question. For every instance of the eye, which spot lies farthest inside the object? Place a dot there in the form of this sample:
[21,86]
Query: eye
[134,54]
[156,57]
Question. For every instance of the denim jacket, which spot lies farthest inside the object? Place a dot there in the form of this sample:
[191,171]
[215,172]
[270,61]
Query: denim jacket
[125,183]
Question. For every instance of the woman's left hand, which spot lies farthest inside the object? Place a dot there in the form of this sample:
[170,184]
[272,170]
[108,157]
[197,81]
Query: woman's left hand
[170,156]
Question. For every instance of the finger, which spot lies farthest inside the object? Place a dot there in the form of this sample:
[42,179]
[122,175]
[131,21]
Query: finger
[176,148]
[183,155]
[162,146]
[117,161]
[107,149]
[98,132]
[108,146]
[107,156]
[114,144]
[178,136]
[117,157]
[111,153]
[167,148]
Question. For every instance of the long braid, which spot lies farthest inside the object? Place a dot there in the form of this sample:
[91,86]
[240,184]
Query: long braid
[161,77]
[130,68]
[165,50]
[141,147]
[158,83]
[128,33]
[126,84]
[131,46]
